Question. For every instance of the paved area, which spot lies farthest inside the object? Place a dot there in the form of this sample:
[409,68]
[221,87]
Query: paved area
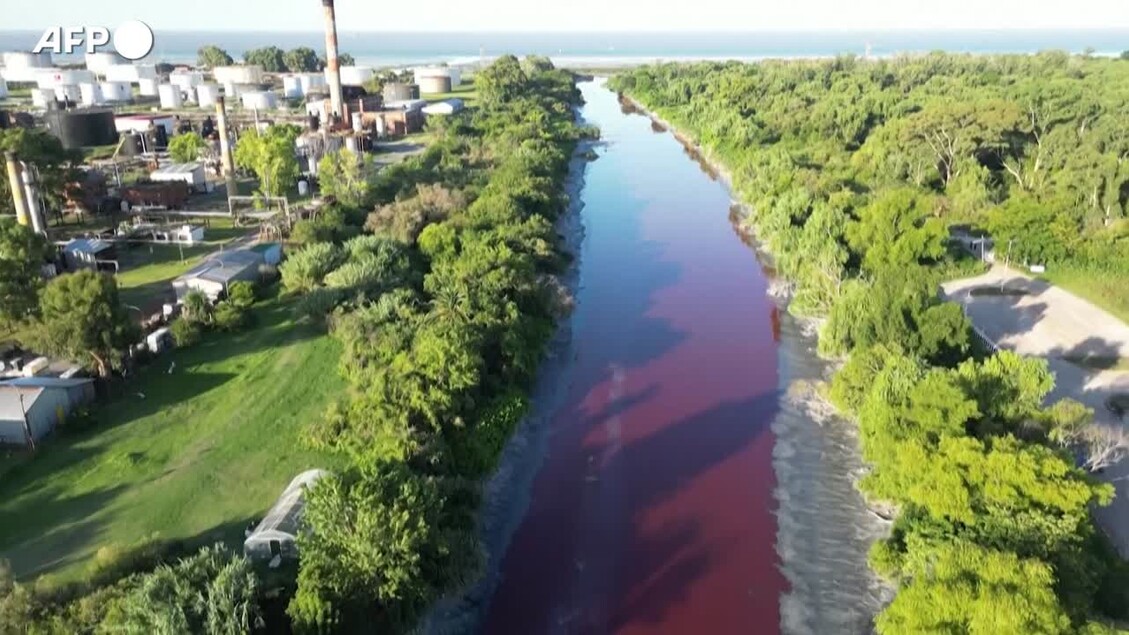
[1077,338]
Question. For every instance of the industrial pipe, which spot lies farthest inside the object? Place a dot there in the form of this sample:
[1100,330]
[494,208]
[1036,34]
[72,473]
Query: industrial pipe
[15,183]
[225,148]
[31,191]
[332,66]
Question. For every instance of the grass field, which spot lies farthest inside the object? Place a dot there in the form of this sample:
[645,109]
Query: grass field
[465,92]
[208,448]
[1107,291]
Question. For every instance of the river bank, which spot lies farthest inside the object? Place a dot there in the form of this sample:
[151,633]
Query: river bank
[506,493]
[825,528]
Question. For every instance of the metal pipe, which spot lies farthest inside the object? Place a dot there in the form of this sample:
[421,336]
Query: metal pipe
[15,183]
[34,211]
[332,65]
[225,147]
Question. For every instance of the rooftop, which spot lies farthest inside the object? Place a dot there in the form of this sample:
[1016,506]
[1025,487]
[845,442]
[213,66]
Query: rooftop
[286,513]
[11,408]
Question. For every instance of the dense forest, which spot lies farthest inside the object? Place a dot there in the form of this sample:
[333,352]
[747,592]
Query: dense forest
[855,172]
[438,277]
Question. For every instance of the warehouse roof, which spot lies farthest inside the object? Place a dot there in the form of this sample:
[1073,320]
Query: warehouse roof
[11,408]
[87,245]
[223,266]
[286,514]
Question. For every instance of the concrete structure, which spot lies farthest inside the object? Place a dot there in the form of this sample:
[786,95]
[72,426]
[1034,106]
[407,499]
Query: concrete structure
[275,537]
[434,85]
[41,97]
[97,63]
[206,95]
[186,80]
[190,173]
[53,78]
[226,159]
[3,89]
[15,185]
[332,63]
[116,91]
[214,276]
[91,94]
[130,73]
[170,96]
[21,66]
[30,408]
[438,71]
[259,100]
[244,74]
[147,86]
[355,75]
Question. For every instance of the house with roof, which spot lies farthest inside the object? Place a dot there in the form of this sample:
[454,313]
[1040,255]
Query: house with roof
[32,407]
[88,252]
[214,276]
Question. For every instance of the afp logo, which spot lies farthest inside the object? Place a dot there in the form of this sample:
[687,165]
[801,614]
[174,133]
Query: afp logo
[132,39]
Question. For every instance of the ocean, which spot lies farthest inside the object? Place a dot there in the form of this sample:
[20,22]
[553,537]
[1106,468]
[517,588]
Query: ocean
[619,48]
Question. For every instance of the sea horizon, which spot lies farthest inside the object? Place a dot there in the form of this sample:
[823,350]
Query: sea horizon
[595,48]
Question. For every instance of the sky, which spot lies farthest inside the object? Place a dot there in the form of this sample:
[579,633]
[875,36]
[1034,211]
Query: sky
[580,15]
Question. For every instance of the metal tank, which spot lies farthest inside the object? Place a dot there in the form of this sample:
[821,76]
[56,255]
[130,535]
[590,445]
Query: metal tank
[82,128]
[434,84]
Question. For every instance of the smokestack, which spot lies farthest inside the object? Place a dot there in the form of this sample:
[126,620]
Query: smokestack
[15,183]
[33,209]
[332,66]
[225,148]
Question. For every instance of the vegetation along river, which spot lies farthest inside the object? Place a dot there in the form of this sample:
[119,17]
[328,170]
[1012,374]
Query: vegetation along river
[680,482]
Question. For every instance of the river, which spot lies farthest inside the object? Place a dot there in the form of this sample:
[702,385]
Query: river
[670,479]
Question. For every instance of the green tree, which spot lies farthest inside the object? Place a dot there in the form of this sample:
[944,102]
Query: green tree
[895,230]
[301,60]
[344,59]
[271,156]
[501,82]
[211,56]
[270,58]
[44,151]
[961,587]
[347,177]
[81,317]
[22,254]
[186,147]
[305,269]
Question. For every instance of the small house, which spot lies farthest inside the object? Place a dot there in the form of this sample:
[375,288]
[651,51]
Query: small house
[214,276]
[34,406]
[192,174]
[87,252]
[275,537]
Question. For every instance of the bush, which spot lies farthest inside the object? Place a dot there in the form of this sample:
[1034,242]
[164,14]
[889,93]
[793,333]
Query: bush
[319,303]
[229,317]
[305,269]
[241,294]
[185,332]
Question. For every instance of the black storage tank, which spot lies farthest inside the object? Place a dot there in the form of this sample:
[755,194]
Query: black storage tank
[84,127]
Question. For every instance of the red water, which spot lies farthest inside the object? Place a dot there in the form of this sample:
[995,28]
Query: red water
[653,509]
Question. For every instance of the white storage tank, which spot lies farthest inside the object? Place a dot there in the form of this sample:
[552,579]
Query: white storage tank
[52,78]
[97,63]
[438,71]
[130,72]
[170,96]
[355,75]
[206,95]
[292,87]
[246,74]
[68,92]
[260,100]
[40,97]
[91,94]
[147,87]
[186,80]
[3,89]
[22,59]
[116,91]
[311,82]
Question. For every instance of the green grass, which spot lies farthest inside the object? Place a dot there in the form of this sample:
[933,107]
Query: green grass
[465,92]
[209,447]
[1106,290]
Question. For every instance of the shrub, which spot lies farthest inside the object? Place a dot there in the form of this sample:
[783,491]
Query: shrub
[229,317]
[241,294]
[319,303]
[185,332]
[305,269]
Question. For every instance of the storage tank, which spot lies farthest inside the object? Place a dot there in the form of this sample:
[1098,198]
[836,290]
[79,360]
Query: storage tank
[3,89]
[206,95]
[186,80]
[130,72]
[312,82]
[147,87]
[116,91]
[170,96]
[292,87]
[355,75]
[91,94]
[83,127]
[97,63]
[68,92]
[438,71]
[246,74]
[22,59]
[434,84]
[41,97]
[260,99]
[397,91]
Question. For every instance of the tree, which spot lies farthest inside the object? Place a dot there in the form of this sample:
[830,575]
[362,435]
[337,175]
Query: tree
[305,269]
[405,218]
[344,59]
[81,317]
[44,151]
[1104,446]
[962,587]
[895,230]
[347,177]
[22,254]
[186,147]
[211,56]
[501,82]
[197,307]
[270,58]
[302,60]
[270,155]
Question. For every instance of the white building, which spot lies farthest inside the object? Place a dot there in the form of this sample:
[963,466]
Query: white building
[275,537]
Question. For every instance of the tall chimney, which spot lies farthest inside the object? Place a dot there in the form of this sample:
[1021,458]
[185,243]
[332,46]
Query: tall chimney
[15,182]
[225,148]
[332,66]
[31,191]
